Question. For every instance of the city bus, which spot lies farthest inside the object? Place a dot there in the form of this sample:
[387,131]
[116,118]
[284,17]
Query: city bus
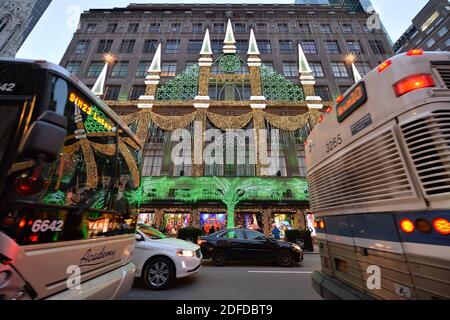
[70,174]
[379,180]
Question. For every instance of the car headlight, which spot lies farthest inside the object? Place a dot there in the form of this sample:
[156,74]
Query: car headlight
[185,253]
[296,247]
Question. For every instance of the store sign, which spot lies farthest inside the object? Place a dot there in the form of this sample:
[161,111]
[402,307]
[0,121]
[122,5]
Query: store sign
[89,110]
[352,102]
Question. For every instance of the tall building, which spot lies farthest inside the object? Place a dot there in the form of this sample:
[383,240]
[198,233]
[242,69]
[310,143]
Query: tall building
[429,29]
[326,33]
[204,85]
[17,20]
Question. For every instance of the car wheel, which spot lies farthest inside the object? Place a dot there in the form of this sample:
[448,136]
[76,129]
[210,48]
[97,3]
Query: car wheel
[218,257]
[159,273]
[284,258]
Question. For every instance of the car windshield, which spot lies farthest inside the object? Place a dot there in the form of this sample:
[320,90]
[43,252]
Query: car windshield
[150,232]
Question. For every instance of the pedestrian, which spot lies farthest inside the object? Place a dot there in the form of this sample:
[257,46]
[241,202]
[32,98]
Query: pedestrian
[276,232]
[212,230]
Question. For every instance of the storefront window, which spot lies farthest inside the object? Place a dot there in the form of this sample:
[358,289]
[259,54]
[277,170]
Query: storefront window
[251,221]
[211,223]
[147,218]
[175,222]
[284,222]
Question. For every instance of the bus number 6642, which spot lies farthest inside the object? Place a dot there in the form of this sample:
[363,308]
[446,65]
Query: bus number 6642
[334,143]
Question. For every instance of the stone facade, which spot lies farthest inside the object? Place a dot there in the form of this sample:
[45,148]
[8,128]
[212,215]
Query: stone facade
[279,28]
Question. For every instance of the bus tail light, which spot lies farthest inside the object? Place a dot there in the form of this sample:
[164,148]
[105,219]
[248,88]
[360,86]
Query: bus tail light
[384,66]
[407,226]
[415,52]
[340,99]
[442,226]
[423,226]
[413,83]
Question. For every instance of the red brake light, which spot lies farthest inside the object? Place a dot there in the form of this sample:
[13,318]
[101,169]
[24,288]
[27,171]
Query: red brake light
[321,119]
[384,66]
[442,226]
[415,52]
[340,99]
[407,226]
[413,83]
[329,109]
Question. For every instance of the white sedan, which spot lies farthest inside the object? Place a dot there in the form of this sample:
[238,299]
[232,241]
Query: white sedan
[160,260]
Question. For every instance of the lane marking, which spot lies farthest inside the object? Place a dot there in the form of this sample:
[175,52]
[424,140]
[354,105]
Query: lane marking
[285,272]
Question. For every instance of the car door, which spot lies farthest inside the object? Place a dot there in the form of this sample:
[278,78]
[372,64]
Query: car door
[259,246]
[234,244]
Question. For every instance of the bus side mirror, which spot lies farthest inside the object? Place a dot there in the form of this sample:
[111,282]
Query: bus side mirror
[46,137]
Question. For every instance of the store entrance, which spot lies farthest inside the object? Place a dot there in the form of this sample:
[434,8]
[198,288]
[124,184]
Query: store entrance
[283,222]
[173,222]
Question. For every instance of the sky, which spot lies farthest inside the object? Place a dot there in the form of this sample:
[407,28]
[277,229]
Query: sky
[54,31]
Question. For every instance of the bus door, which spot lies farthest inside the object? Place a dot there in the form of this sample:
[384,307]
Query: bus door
[342,251]
[381,257]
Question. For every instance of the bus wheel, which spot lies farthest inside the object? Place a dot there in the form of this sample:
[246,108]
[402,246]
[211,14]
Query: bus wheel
[218,257]
[159,273]
[284,258]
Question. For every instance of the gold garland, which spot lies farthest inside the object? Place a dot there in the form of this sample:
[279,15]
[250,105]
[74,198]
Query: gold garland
[131,163]
[171,123]
[230,122]
[288,123]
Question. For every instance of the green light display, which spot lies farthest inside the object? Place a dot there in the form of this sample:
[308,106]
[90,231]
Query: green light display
[230,191]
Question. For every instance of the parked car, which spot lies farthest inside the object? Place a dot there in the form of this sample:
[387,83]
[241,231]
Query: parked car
[160,260]
[248,245]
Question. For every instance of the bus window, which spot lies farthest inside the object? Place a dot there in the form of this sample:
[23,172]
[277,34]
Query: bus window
[59,95]
[9,113]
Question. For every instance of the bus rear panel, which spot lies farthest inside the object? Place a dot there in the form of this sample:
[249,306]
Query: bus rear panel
[379,174]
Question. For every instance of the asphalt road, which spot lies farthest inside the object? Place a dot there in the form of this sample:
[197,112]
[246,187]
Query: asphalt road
[239,281]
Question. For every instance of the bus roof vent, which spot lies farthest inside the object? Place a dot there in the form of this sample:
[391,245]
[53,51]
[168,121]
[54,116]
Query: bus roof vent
[428,143]
[369,175]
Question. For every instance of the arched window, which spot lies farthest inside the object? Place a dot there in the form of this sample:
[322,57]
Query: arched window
[4,23]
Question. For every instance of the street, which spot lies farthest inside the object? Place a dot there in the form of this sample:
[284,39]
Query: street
[239,281]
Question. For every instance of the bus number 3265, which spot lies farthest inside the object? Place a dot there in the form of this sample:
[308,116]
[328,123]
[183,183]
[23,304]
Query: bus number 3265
[334,143]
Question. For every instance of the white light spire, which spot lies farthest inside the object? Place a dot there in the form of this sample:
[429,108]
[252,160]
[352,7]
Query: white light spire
[155,67]
[99,86]
[230,41]
[356,74]
[304,67]
[253,45]
[206,46]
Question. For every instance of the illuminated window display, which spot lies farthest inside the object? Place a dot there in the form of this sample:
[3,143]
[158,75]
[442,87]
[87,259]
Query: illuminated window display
[310,221]
[175,222]
[209,221]
[147,218]
[284,222]
[250,221]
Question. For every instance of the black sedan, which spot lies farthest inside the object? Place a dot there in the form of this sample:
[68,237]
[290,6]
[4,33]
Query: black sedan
[248,245]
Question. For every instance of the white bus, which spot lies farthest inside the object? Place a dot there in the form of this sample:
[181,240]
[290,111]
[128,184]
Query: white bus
[69,168]
[379,173]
